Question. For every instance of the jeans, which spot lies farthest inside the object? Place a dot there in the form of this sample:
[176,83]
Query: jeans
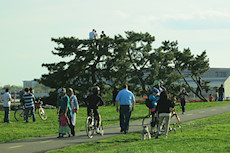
[164,117]
[125,114]
[221,97]
[7,113]
[31,109]
[182,105]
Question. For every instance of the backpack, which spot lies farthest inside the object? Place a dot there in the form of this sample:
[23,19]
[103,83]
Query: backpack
[148,103]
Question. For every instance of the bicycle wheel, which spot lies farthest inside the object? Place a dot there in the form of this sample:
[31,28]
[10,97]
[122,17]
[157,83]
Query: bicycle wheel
[42,113]
[180,128]
[89,127]
[19,114]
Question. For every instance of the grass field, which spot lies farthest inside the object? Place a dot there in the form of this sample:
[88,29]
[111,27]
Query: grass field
[20,130]
[209,135]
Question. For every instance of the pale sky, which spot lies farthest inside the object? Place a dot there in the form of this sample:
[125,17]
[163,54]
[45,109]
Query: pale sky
[26,28]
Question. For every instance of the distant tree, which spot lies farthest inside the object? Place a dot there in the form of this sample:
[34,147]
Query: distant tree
[196,65]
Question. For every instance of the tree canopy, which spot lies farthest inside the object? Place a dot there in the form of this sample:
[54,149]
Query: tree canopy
[129,59]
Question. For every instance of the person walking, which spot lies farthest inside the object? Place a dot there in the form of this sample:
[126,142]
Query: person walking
[164,108]
[6,105]
[221,93]
[29,104]
[182,96]
[75,108]
[63,104]
[126,100]
[154,97]
[115,92]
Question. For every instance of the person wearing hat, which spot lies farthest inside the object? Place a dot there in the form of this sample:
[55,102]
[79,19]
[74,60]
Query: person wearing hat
[154,97]
[75,107]
[64,106]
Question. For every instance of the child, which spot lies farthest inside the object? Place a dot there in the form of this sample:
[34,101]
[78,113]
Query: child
[211,97]
[63,127]
[154,97]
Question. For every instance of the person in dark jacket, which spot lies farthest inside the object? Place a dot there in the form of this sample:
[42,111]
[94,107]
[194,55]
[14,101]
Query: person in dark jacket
[93,101]
[164,107]
[221,92]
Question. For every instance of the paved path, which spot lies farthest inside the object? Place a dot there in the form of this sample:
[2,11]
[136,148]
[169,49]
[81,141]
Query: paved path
[51,143]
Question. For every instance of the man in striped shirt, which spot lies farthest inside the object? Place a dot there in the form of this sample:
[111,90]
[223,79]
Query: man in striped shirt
[29,104]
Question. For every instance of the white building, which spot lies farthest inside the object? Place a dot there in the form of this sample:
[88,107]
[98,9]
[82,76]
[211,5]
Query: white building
[29,84]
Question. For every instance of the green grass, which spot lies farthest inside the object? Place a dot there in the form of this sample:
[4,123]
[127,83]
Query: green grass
[20,130]
[201,136]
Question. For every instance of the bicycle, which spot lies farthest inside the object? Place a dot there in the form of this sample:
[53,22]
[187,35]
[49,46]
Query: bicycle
[178,121]
[91,125]
[20,114]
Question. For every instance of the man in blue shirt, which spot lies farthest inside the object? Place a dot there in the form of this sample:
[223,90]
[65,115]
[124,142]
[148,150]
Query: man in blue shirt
[127,103]
[92,35]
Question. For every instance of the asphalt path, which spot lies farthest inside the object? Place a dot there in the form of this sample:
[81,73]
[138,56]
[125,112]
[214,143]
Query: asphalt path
[52,142]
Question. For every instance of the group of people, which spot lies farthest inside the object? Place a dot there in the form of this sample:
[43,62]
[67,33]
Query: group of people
[27,99]
[93,35]
[162,107]
[219,95]
[67,107]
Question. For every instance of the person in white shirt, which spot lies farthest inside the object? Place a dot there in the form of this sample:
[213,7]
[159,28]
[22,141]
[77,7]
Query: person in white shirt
[6,104]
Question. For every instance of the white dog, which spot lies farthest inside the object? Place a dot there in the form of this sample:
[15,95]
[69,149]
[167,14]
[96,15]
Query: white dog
[145,133]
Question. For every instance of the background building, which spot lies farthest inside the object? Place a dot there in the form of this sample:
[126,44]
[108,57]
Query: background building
[29,84]
[216,76]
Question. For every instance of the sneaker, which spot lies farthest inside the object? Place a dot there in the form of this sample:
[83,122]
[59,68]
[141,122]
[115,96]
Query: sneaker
[60,136]
[125,132]
[121,130]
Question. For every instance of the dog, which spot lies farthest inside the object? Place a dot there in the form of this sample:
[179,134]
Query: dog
[145,133]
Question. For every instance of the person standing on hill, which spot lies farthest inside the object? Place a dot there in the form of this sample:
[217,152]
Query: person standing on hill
[221,93]
[6,105]
[92,35]
[127,103]
[182,96]
[103,35]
